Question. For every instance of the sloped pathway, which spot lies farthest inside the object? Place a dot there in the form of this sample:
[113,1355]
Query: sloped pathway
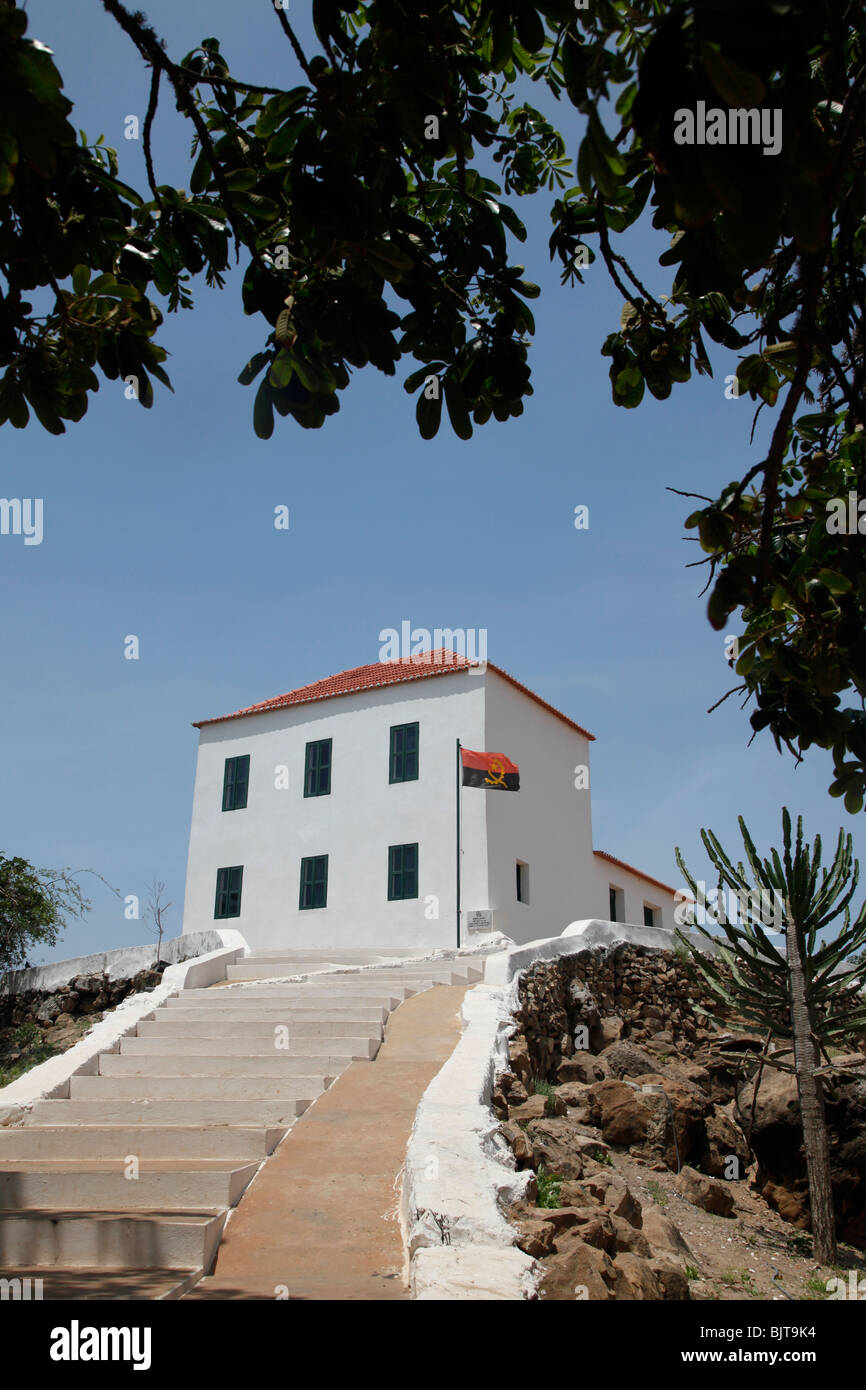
[320,1221]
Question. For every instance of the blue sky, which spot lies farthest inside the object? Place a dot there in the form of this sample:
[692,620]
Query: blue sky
[160,524]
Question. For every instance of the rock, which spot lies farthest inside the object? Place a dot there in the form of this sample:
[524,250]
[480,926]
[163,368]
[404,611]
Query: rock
[618,1197]
[665,1240]
[624,1059]
[689,1105]
[724,1141]
[672,1280]
[791,1202]
[627,1116]
[518,1052]
[535,1237]
[628,1238]
[554,1149]
[583,1067]
[577,1270]
[518,1141]
[48,1009]
[608,1030]
[574,1094]
[64,1021]
[705,1192]
[634,1279]
[535,1108]
[87,984]
[574,1194]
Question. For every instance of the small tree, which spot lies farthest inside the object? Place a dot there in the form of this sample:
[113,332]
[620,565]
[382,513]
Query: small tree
[34,906]
[157,911]
[805,997]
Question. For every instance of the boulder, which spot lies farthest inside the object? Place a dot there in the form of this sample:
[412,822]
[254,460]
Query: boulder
[672,1280]
[536,1108]
[518,1052]
[634,1279]
[608,1030]
[574,1094]
[48,1009]
[624,1059]
[518,1141]
[617,1196]
[708,1193]
[535,1236]
[629,1238]
[582,1067]
[629,1117]
[665,1239]
[688,1106]
[724,1140]
[554,1148]
[577,1271]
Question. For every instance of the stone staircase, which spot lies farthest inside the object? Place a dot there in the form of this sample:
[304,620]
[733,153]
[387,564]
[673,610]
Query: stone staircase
[123,1189]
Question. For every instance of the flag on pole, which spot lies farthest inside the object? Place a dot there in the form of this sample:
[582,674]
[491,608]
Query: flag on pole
[489,771]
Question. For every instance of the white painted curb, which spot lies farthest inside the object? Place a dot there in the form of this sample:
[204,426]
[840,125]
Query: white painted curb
[459,1173]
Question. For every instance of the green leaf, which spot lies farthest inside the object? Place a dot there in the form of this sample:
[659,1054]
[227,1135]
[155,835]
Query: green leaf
[80,278]
[263,411]
[252,369]
[836,583]
[737,86]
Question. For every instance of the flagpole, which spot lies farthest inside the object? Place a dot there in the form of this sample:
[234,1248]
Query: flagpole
[458,844]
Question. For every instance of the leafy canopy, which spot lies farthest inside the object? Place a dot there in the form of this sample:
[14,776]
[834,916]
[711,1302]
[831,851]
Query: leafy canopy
[360,195]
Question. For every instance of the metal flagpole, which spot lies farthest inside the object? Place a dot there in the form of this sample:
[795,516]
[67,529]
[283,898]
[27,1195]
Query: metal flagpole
[458,844]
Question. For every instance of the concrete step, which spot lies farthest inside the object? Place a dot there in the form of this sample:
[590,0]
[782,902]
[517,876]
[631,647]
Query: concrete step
[439,974]
[104,1285]
[50,1240]
[146,1139]
[356,1045]
[228,1029]
[337,995]
[355,955]
[90,1185]
[279,1013]
[293,1091]
[112,1064]
[192,1111]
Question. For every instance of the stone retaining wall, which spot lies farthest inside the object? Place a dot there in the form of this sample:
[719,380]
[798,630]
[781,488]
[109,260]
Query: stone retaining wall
[650,991]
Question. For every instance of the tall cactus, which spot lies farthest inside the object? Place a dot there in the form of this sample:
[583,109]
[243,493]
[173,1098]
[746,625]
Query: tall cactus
[805,999]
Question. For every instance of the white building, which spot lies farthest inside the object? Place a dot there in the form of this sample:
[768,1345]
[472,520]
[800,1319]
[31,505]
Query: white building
[328,816]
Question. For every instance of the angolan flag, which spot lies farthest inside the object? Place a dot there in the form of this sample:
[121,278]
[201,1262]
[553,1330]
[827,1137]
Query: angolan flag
[489,771]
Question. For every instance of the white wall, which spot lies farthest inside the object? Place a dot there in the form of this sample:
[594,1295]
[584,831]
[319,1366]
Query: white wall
[636,891]
[354,825]
[547,824]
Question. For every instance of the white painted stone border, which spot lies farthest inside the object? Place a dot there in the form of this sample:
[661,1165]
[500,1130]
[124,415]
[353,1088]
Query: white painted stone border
[50,1080]
[459,1172]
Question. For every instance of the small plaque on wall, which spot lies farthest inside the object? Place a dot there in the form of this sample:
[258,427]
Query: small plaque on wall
[479,921]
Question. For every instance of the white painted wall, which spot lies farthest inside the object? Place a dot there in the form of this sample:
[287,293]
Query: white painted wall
[354,825]
[636,891]
[547,824]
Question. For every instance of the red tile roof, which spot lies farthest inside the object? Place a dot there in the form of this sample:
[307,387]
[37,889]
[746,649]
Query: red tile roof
[602,854]
[440,662]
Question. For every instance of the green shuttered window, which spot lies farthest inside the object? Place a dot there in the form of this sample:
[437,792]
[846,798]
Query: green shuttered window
[317,769]
[403,762]
[402,872]
[314,882]
[228,892]
[236,781]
